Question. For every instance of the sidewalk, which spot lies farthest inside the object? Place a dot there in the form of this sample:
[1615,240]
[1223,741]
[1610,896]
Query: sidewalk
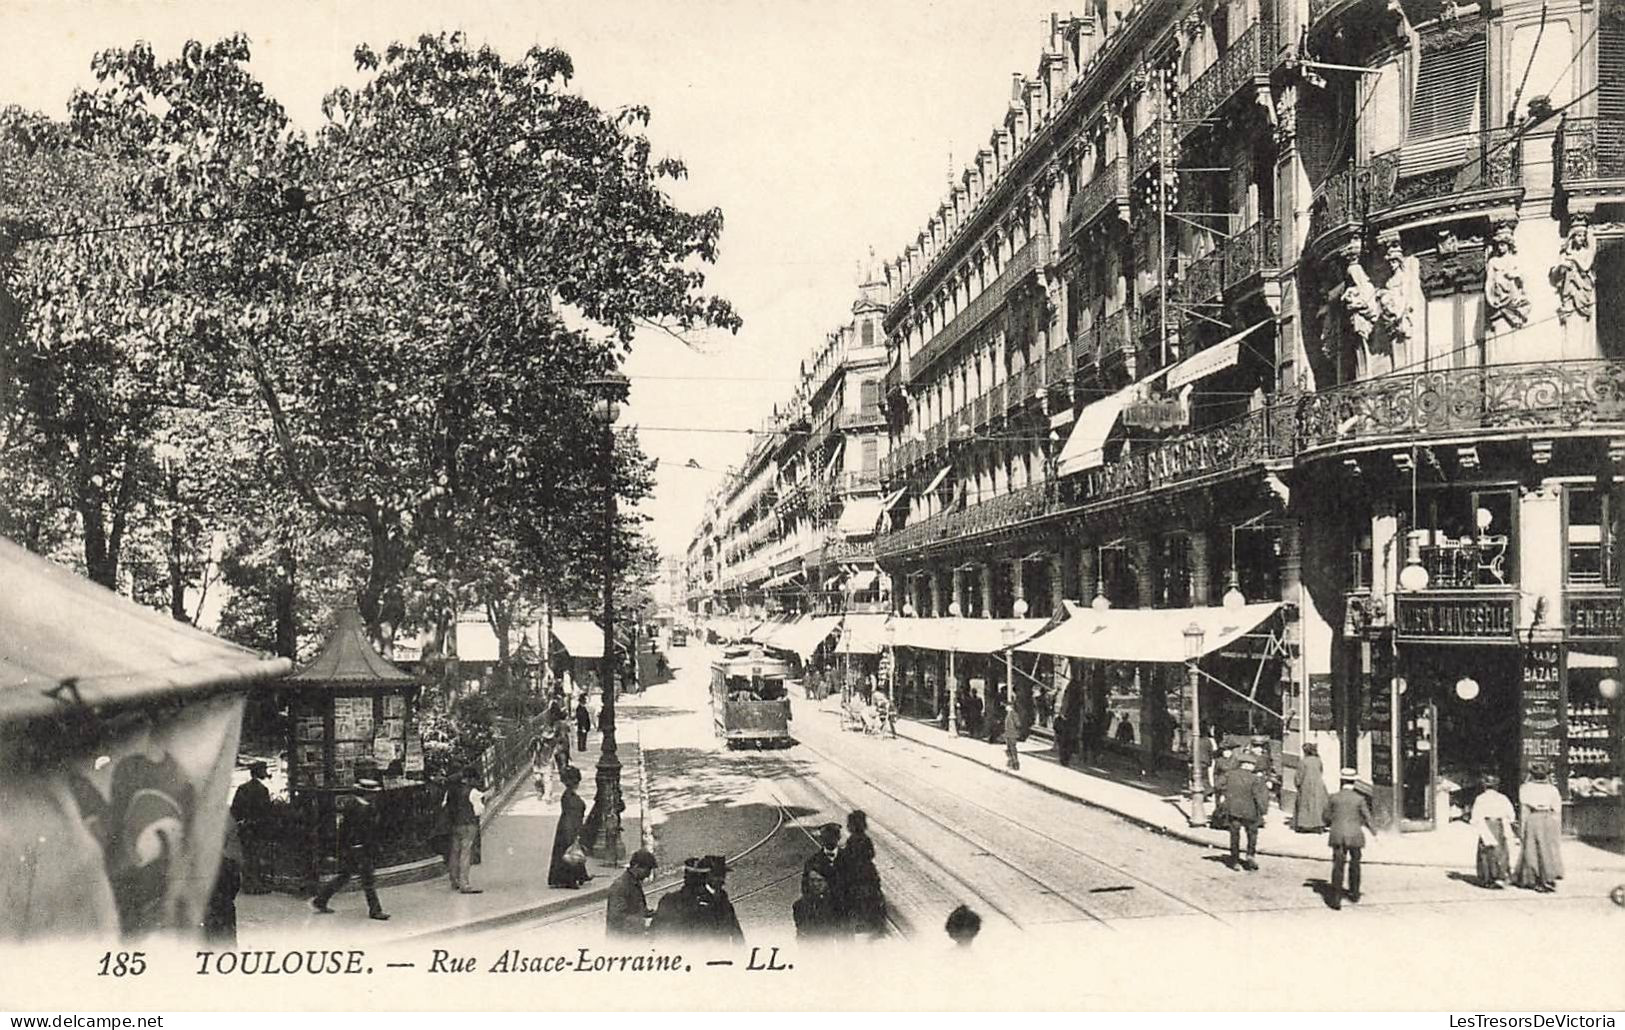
[515,849]
[1164,810]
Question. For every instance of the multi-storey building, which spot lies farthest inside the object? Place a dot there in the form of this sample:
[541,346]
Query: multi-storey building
[1305,310]
[791,530]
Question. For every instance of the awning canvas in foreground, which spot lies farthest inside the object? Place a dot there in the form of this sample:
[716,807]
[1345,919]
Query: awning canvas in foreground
[862,634]
[582,638]
[112,826]
[1145,634]
[969,636]
[1086,447]
[804,637]
[1205,362]
[859,516]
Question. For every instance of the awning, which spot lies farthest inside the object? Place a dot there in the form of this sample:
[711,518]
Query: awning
[803,637]
[1086,447]
[781,580]
[859,516]
[1205,362]
[1061,418]
[862,634]
[580,638]
[936,480]
[860,581]
[968,636]
[1579,659]
[57,627]
[835,456]
[892,499]
[1146,634]
[768,632]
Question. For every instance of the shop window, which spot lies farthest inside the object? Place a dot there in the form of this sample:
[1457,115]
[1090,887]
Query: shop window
[1118,579]
[1469,538]
[1590,538]
[1174,572]
[1361,560]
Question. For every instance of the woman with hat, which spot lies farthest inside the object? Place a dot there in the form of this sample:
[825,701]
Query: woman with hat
[572,814]
[1309,812]
[861,899]
[1541,864]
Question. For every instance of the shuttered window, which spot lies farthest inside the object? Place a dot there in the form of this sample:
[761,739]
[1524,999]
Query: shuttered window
[1446,108]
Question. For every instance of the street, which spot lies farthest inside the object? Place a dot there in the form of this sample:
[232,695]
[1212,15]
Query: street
[1043,870]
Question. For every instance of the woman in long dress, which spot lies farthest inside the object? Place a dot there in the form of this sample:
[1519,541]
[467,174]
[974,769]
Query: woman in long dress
[1541,864]
[1492,817]
[858,880]
[1309,813]
[572,813]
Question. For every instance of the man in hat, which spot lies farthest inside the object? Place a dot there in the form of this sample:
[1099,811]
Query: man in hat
[1246,799]
[358,850]
[823,863]
[677,913]
[718,909]
[1348,815]
[628,911]
[251,809]
[700,908]
[464,820]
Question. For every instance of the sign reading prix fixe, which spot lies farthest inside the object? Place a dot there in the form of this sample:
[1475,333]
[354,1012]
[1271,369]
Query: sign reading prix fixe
[1457,618]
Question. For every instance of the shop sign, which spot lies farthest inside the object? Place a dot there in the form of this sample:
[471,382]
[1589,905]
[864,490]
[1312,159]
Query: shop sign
[1594,617]
[1541,708]
[1466,618]
[1157,413]
[1322,715]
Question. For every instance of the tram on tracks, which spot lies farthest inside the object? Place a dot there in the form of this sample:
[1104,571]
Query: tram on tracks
[749,704]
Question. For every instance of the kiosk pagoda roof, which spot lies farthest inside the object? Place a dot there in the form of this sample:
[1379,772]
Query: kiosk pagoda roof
[349,661]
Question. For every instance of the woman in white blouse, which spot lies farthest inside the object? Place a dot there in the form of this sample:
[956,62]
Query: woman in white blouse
[1541,864]
[1493,818]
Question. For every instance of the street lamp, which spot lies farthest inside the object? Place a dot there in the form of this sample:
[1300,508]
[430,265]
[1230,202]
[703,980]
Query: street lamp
[1194,636]
[602,831]
[1012,760]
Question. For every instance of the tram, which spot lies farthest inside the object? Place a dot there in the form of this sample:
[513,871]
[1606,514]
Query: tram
[749,703]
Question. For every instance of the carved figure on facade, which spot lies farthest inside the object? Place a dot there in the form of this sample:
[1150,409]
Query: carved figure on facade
[1504,292]
[1400,299]
[1286,117]
[1358,298]
[1575,275]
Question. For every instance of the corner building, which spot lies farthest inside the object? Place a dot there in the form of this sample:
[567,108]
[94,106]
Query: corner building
[1280,347]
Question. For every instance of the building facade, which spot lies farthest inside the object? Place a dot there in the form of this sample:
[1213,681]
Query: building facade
[791,529]
[1309,310]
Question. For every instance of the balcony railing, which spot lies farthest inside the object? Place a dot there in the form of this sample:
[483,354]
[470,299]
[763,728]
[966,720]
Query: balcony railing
[1242,442]
[1147,324]
[1255,250]
[1202,279]
[1143,152]
[861,418]
[862,480]
[979,411]
[1484,399]
[1248,59]
[892,381]
[1340,205]
[1107,190]
[1058,368]
[1592,151]
[1468,564]
[1021,264]
[1022,505]
[1471,163]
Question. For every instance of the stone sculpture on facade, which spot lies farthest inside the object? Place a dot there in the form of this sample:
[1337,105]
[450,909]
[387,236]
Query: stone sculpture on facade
[1400,297]
[1575,275]
[1504,293]
[1358,297]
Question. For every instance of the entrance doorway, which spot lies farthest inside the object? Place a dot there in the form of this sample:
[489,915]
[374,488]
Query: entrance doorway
[1458,723]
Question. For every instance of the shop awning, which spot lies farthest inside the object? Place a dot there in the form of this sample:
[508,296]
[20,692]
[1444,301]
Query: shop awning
[892,499]
[862,580]
[803,637]
[1086,447]
[859,516]
[968,636]
[783,579]
[1061,418]
[580,638]
[936,480]
[1579,659]
[1146,634]
[58,628]
[768,631]
[862,634]
[1205,362]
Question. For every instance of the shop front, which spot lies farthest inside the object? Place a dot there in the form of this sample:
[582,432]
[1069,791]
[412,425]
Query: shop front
[1594,725]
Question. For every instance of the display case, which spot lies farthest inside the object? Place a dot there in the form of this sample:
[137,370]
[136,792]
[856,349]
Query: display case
[1596,765]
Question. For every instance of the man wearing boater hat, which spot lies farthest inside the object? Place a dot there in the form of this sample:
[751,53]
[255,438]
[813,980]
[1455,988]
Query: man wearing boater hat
[1349,815]
[358,850]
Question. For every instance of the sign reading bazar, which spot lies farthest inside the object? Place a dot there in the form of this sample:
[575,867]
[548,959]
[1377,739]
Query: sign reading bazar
[1463,618]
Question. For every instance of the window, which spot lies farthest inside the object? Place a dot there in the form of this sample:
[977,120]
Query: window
[1174,572]
[871,454]
[869,396]
[1446,105]
[868,333]
[1590,538]
[1469,538]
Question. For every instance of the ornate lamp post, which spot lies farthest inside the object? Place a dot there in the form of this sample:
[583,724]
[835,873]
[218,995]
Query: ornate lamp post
[602,831]
[1012,724]
[1194,637]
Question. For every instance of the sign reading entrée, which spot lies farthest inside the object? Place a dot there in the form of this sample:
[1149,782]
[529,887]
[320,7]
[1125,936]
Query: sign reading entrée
[1463,618]
[1595,617]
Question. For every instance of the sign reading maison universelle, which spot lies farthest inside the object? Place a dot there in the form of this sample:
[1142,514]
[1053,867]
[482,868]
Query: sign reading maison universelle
[1478,618]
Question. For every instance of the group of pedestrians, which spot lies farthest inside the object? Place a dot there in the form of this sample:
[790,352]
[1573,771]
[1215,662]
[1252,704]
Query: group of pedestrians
[1540,857]
[840,886]
[699,909]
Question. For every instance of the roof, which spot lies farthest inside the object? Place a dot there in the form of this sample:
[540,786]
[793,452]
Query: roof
[581,638]
[968,636]
[56,627]
[349,659]
[1146,634]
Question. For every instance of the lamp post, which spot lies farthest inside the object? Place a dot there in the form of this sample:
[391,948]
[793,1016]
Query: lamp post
[1012,760]
[953,682]
[602,831]
[1194,636]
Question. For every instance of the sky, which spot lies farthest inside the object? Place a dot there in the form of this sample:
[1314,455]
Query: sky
[821,128]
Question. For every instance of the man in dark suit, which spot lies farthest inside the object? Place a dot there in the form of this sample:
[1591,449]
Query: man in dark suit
[1349,815]
[251,809]
[358,850]
[700,908]
[1246,799]
[628,909]
[823,863]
